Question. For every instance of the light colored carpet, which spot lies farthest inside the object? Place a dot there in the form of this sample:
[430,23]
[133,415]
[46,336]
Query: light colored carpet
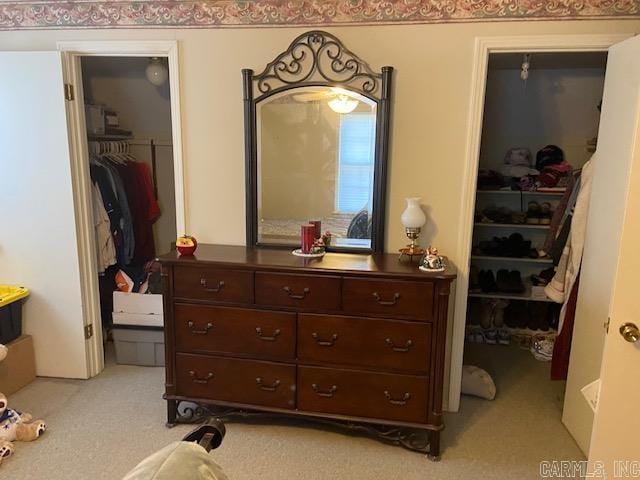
[99,429]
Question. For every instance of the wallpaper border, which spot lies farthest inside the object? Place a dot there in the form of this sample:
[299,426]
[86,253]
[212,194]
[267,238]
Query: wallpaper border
[53,14]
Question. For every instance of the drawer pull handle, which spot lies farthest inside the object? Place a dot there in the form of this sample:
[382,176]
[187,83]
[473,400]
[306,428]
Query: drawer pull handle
[203,282]
[296,296]
[394,401]
[396,348]
[267,388]
[325,343]
[196,379]
[386,303]
[266,338]
[327,394]
[204,331]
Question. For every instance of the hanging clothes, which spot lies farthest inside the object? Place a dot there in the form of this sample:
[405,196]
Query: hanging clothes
[100,177]
[105,249]
[569,266]
[126,221]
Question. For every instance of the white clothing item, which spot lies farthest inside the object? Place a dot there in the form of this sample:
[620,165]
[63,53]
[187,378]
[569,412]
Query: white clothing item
[105,248]
[569,266]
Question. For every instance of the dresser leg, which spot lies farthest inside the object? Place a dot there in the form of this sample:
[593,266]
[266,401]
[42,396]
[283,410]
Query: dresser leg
[434,446]
[172,413]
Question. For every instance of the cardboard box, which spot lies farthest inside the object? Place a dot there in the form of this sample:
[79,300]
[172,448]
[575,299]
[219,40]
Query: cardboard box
[139,319]
[19,368]
[147,303]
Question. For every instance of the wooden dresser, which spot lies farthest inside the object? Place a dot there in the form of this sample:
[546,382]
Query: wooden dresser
[355,339]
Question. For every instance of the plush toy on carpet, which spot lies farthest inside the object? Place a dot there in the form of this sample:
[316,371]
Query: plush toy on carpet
[15,425]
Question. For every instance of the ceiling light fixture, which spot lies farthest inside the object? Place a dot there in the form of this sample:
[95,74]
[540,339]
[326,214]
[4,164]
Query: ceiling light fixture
[156,72]
[343,104]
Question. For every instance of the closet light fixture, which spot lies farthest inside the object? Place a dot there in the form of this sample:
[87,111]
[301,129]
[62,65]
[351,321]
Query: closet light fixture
[343,104]
[526,63]
[156,72]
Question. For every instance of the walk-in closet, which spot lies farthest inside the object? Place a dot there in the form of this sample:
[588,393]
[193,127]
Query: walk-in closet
[131,163]
[540,127]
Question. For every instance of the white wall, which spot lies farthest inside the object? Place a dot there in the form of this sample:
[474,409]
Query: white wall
[38,243]
[555,106]
[143,108]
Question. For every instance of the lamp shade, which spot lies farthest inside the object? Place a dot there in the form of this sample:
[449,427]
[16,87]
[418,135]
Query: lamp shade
[413,216]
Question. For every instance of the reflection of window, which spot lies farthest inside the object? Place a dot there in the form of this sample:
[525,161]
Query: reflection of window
[355,162]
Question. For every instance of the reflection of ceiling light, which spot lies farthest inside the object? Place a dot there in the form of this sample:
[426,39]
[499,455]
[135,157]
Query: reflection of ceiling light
[343,104]
[156,72]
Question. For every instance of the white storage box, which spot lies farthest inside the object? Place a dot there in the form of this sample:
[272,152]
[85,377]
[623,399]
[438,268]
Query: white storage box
[137,303]
[137,309]
[138,319]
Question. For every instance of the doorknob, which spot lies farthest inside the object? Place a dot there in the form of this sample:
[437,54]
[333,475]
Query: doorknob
[630,332]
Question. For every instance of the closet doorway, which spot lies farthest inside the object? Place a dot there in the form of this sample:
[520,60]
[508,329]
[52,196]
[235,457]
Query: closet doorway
[601,236]
[126,150]
[539,129]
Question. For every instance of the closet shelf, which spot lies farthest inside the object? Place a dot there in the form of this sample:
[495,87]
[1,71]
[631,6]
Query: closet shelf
[519,192]
[512,259]
[512,296]
[511,225]
[107,137]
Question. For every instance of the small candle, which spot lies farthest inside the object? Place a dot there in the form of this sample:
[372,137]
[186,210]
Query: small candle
[307,233]
[318,227]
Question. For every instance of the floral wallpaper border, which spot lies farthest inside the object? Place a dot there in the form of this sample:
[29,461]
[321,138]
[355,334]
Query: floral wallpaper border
[29,14]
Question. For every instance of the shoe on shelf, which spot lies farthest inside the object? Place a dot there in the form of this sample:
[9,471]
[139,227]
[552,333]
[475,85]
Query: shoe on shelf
[491,336]
[545,213]
[518,218]
[498,312]
[487,281]
[502,280]
[516,314]
[515,282]
[539,312]
[486,314]
[533,213]
[504,336]
[510,318]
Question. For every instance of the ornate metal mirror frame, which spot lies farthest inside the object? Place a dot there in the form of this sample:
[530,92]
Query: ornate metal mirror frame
[317,58]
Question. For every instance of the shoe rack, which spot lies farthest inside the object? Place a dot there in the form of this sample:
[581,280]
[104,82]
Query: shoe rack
[515,201]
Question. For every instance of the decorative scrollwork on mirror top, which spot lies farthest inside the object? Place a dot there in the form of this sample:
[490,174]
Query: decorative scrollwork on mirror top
[315,57]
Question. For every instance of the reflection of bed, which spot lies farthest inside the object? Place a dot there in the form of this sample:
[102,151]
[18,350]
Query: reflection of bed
[273,230]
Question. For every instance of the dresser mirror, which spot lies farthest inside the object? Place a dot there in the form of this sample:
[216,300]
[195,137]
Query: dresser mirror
[316,135]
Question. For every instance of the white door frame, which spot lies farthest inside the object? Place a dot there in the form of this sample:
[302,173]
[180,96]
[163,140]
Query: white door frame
[484,46]
[71,53]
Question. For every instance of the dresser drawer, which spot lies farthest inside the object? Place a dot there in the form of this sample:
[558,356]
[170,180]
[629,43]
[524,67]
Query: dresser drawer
[203,328]
[364,341]
[363,394]
[393,298]
[215,284]
[233,380]
[304,291]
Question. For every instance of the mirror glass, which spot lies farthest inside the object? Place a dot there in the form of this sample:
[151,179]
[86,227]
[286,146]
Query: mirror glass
[316,157]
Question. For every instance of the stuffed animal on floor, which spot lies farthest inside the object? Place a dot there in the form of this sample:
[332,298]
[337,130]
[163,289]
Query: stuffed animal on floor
[3,352]
[16,426]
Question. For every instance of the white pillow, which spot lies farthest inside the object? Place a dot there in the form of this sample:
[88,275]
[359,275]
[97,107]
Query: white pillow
[477,382]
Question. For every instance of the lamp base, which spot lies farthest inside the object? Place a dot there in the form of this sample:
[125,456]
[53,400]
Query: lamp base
[411,251]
